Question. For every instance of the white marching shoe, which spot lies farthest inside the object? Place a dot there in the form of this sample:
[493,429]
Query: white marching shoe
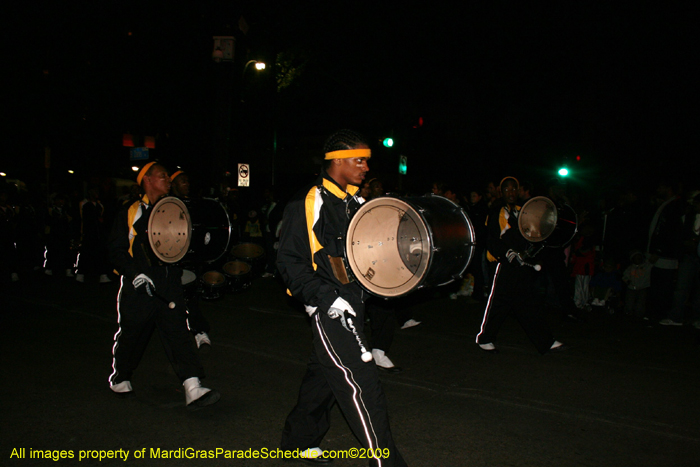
[384,362]
[122,389]
[203,341]
[410,323]
[196,396]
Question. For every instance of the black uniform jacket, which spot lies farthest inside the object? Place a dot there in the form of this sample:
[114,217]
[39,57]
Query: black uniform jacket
[503,233]
[313,228]
[130,250]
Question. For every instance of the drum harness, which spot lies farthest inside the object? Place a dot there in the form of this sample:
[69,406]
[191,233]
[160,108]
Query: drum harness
[339,265]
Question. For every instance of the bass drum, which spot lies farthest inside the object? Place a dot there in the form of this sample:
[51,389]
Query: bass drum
[397,245]
[541,220]
[238,275]
[213,285]
[251,253]
[190,230]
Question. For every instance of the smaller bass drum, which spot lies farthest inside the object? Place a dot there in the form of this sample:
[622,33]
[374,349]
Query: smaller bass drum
[213,285]
[396,245]
[238,274]
[251,253]
[194,230]
[541,220]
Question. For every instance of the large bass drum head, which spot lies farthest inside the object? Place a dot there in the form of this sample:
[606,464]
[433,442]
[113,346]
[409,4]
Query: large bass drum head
[170,229]
[388,247]
[538,219]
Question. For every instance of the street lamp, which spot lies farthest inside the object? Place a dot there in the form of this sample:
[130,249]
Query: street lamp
[258,65]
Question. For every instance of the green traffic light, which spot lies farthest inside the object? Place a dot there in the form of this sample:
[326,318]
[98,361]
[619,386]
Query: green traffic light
[563,172]
[388,142]
[403,162]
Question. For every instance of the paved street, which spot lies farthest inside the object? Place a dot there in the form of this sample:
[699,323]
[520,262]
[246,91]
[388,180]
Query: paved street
[623,394]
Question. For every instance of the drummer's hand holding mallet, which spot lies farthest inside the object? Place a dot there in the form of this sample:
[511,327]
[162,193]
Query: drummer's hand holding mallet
[342,311]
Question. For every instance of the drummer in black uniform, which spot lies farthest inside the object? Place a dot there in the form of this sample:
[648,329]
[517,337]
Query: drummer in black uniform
[310,261]
[197,323]
[512,290]
[150,297]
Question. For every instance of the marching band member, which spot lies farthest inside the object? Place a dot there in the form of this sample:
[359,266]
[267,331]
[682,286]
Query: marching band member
[309,259]
[150,296]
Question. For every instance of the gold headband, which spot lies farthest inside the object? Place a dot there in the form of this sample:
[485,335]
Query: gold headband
[175,175]
[509,178]
[348,153]
[143,171]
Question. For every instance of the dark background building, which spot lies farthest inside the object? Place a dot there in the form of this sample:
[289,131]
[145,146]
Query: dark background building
[467,92]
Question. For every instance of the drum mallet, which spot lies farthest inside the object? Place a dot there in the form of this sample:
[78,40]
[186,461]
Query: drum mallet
[170,304]
[366,356]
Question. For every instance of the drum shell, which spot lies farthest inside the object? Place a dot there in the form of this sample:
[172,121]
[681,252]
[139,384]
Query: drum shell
[435,233]
[567,226]
[213,285]
[238,274]
[211,230]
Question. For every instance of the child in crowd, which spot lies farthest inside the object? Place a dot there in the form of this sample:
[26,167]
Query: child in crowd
[606,285]
[583,265]
[637,276]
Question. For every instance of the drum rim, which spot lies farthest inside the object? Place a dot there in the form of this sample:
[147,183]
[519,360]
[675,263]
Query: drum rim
[177,201]
[213,284]
[348,243]
[250,258]
[227,273]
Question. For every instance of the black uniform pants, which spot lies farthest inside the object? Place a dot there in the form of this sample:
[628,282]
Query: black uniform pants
[139,315]
[512,292]
[336,373]
[382,321]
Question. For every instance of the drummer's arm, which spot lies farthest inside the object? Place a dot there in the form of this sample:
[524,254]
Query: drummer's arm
[295,265]
[495,244]
[118,246]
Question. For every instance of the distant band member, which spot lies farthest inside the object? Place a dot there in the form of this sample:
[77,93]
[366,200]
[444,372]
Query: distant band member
[198,324]
[148,290]
[512,290]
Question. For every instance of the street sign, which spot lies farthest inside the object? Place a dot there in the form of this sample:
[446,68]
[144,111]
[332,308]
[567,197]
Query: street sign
[243,175]
[138,154]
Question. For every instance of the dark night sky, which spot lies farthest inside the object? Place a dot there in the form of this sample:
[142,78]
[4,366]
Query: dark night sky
[503,87]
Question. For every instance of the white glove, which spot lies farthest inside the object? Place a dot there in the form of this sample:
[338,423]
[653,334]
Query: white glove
[142,280]
[338,310]
[512,254]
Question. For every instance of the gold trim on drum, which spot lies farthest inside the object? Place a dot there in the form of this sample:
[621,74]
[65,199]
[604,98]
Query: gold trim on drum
[388,247]
[170,229]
